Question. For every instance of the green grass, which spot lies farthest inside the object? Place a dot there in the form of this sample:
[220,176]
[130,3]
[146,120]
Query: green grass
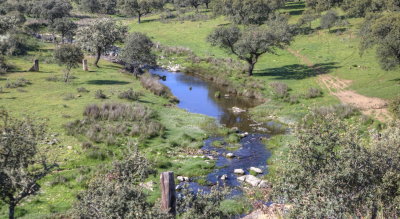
[45,100]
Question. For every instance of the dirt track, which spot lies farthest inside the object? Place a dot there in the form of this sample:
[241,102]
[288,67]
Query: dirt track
[337,87]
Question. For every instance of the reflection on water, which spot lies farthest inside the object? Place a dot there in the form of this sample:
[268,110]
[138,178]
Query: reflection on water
[198,96]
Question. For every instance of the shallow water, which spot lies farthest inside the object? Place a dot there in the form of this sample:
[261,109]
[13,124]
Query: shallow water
[198,96]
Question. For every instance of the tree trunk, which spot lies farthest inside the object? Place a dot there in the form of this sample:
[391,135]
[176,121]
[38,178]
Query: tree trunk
[11,211]
[168,195]
[98,55]
[206,5]
[139,18]
[251,68]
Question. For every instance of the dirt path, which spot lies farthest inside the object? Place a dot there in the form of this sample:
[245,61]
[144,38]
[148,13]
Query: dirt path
[338,87]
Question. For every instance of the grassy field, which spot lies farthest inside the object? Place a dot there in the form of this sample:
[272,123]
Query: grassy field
[336,53]
[60,103]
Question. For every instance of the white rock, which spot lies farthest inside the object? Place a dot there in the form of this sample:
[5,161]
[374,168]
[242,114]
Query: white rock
[69,147]
[263,184]
[239,171]
[244,134]
[252,180]
[242,178]
[230,155]
[149,185]
[255,169]
[180,178]
[224,177]
[237,110]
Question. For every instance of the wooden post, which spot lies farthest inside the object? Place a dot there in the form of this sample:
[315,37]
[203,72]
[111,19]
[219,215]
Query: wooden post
[168,195]
[85,65]
[35,66]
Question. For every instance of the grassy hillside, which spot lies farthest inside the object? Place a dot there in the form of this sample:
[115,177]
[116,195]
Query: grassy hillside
[60,103]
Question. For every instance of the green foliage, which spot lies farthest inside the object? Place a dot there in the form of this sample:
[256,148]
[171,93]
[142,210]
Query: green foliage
[65,27]
[129,95]
[394,107]
[11,21]
[329,19]
[360,8]
[21,161]
[100,35]
[189,3]
[51,9]
[140,7]
[68,55]
[137,52]
[99,6]
[247,11]
[16,44]
[251,43]
[334,172]
[383,32]
[202,205]
[116,193]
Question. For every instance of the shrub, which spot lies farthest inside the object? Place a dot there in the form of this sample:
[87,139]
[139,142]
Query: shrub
[280,90]
[100,95]
[342,111]
[16,44]
[20,82]
[394,107]
[293,99]
[154,85]
[313,93]
[82,90]
[53,78]
[3,65]
[69,96]
[129,95]
[87,145]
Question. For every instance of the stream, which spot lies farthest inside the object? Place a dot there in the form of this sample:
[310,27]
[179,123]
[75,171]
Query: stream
[198,96]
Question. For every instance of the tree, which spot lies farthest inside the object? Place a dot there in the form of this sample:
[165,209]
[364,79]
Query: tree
[99,36]
[140,7]
[51,9]
[22,164]
[249,44]
[332,171]
[247,11]
[99,6]
[137,52]
[116,194]
[383,31]
[323,5]
[360,8]
[189,3]
[329,20]
[307,17]
[206,3]
[65,27]
[70,56]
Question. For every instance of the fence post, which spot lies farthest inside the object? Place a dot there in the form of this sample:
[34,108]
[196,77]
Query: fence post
[85,65]
[35,66]
[168,195]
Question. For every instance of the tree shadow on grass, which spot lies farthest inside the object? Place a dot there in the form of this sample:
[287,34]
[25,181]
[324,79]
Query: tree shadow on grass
[296,71]
[107,82]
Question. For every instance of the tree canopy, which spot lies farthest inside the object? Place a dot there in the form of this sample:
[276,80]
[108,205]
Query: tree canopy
[22,164]
[99,36]
[247,11]
[383,31]
[68,55]
[65,27]
[137,52]
[140,7]
[51,9]
[252,42]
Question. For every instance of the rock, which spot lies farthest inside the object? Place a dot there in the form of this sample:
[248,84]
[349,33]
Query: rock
[237,110]
[230,155]
[148,185]
[210,157]
[69,147]
[257,170]
[178,187]
[263,184]
[252,180]
[242,178]
[235,129]
[244,134]
[239,171]
[224,177]
[182,178]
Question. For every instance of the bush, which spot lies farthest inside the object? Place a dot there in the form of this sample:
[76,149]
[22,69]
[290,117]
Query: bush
[17,44]
[3,65]
[129,95]
[82,90]
[293,99]
[280,90]
[100,95]
[69,96]
[313,93]
[154,85]
[342,111]
[20,82]
[53,78]
[394,107]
